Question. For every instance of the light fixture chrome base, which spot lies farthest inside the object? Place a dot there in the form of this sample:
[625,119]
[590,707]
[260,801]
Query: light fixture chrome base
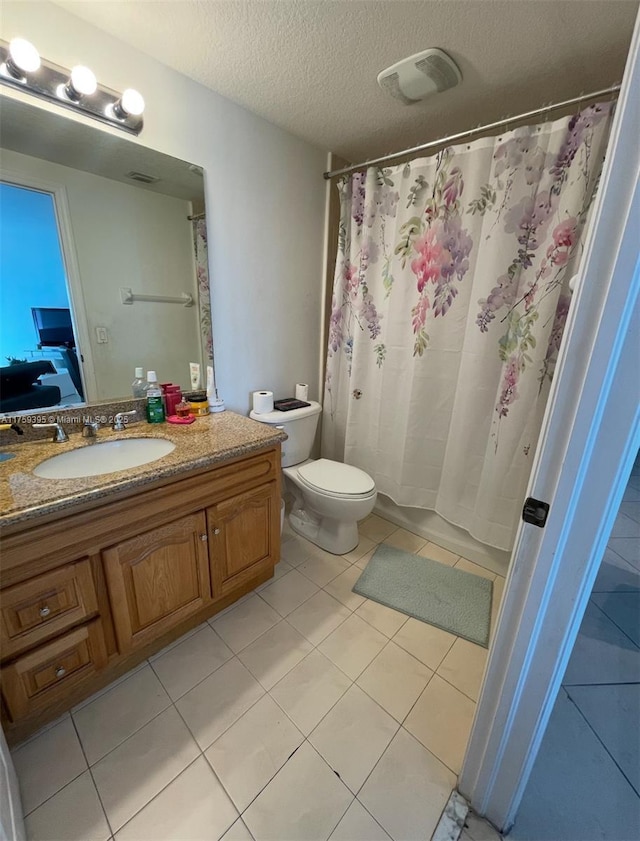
[50,82]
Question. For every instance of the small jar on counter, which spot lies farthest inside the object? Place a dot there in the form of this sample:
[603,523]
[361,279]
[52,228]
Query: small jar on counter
[198,403]
[182,409]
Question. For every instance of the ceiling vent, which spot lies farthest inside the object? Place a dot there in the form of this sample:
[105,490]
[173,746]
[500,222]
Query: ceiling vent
[420,75]
[143,177]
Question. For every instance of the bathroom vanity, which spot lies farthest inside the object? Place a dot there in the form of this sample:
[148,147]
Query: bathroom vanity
[100,572]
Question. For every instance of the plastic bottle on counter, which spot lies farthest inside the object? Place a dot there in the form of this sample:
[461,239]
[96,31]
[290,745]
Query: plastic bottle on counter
[155,406]
[139,385]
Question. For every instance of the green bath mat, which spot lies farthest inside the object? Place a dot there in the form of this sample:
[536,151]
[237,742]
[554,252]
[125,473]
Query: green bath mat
[451,599]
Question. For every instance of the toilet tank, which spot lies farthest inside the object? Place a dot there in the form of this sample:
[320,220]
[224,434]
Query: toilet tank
[300,425]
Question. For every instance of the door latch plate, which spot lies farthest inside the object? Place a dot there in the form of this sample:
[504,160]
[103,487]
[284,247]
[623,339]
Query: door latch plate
[535,511]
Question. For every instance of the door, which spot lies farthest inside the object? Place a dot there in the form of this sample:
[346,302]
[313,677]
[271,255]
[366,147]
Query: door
[11,822]
[157,579]
[42,323]
[244,535]
[589,439]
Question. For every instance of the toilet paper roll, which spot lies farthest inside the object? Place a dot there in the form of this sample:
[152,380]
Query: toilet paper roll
[302,391]
[262,402]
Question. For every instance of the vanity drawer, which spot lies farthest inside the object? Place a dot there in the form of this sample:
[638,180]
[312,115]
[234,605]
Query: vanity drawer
[35,610]
[47,674]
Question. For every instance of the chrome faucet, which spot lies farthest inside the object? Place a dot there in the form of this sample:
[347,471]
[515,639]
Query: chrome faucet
[90,429]
[59,435]
[119,420]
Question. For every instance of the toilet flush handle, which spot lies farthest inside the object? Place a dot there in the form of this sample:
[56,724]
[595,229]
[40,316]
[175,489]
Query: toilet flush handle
[279,426]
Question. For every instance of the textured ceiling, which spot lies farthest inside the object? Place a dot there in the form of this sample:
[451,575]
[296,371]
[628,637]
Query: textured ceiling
[310,66]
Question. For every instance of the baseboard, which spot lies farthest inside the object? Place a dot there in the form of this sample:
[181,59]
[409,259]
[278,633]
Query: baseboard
[433,527]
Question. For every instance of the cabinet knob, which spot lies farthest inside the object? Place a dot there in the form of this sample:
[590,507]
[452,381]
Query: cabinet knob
[216,531]
[45,611]
[61,671]
[203,538]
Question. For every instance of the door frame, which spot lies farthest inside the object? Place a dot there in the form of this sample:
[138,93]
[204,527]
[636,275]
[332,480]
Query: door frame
[72,270]
[589,439]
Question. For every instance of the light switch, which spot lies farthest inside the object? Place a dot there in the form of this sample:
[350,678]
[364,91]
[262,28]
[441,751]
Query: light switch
[102,335]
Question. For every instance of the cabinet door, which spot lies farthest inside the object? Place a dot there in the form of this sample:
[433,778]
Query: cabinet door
[157,579]
[244,537]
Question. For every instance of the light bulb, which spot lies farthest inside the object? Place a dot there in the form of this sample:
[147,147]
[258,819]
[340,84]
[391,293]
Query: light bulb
[23,58]
[83,81]
[132,102]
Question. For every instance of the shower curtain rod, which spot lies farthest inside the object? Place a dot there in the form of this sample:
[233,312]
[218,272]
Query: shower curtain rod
[613,90]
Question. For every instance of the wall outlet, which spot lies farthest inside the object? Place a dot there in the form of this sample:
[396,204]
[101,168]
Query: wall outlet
[102,336]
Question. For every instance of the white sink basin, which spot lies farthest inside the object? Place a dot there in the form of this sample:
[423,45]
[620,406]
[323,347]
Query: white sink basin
[107,457]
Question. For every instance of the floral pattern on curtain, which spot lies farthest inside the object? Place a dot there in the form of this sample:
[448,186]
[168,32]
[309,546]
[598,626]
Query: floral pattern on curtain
[450,297]
[204,295]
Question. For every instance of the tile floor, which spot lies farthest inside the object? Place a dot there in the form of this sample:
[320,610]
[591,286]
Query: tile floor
[304,711]
[585,783]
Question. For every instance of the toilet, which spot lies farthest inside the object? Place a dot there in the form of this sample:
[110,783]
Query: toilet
[329,497]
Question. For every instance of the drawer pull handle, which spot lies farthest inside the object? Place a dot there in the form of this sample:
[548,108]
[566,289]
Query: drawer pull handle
[216,531]
[45,611]
[60,671]
[203,538]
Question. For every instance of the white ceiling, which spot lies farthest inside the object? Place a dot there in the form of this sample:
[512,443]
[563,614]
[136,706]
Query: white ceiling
[310,66]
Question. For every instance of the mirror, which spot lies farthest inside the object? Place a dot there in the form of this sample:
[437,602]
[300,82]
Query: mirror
[95,228]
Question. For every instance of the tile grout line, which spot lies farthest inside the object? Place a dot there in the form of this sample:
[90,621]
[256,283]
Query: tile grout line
[192,734]
[608,683]
[613,622]
[51,796]
[26,814]
[158,793]
[102,693]
[202,680]
[615,552]
[133,733]
[595,733]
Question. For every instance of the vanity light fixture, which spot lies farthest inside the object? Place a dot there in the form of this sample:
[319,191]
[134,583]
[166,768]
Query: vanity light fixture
[22,68]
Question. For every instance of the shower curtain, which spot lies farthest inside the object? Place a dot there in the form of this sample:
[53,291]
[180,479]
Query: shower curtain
[450,296]
[204,296]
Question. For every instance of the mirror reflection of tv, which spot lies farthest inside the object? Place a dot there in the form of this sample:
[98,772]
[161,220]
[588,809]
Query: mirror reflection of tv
[53,326]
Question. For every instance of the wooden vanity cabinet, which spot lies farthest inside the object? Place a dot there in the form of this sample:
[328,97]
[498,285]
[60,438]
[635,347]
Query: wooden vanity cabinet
[85,597]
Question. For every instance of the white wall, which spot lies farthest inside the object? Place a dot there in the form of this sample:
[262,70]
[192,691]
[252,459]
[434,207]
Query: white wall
[265,203]
[126,236]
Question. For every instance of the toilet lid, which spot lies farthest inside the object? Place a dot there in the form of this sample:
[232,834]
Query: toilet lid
[336,478]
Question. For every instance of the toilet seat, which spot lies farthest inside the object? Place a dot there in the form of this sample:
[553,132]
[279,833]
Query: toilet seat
[334,479]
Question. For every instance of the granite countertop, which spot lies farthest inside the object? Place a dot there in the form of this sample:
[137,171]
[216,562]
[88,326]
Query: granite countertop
[207,441]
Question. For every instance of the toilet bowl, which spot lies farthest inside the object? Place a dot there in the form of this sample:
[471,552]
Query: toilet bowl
[329,497]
